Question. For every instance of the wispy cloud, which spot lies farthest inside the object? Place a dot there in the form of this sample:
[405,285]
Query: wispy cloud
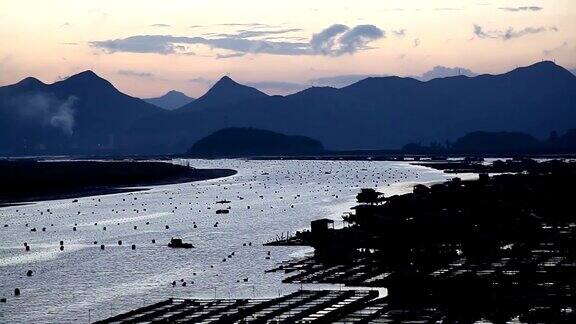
[510,33]
[201,80]
[555,49]
[230,55]
[160,25]
[138,74]
[399,33]
[519,9]
[443,71]
[448,9]
[335,40]
[258,33]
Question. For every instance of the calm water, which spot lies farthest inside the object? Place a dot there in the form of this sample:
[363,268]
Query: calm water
[83,279]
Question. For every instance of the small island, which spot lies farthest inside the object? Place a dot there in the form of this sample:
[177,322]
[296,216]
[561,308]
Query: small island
[31,180]
[251,142]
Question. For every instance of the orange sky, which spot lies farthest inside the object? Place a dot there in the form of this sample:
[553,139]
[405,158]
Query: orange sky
[204,39]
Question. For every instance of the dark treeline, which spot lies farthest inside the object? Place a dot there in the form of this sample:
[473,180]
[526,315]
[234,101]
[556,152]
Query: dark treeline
[29,180]
[499,143]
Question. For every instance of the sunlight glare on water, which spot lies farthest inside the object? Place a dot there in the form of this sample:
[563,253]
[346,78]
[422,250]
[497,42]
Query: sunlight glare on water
[268,198]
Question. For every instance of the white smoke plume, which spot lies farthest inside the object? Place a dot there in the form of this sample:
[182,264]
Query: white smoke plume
[48,110]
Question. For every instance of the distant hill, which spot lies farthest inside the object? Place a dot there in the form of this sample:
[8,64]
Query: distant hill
[170,101]
[224,92]
[242,142]
[480,142]
[496,142]
[83,113]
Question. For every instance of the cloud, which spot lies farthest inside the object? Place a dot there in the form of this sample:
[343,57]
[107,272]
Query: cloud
[416,42]
[357,38]
[258,33]
[338,39]
[201,80]
[443,71]
[231,55]
[70,44]
[525,8]
[510,32]
[399,33]
[555,49]
[160,25]
[335,40]
[137,74]
[324,41]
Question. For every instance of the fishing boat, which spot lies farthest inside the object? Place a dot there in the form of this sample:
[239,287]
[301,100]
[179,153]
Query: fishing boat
[177,243]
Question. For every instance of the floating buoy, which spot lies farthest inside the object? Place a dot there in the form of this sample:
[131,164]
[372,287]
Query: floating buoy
[102,247]
[167,227]
[74,228]
[27,247]
[133,246]
[153,241]
[2,300]
[61,247]
[29,273]
[17,292]
[61,242]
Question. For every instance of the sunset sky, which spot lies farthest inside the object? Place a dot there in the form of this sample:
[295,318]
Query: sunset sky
[146,48]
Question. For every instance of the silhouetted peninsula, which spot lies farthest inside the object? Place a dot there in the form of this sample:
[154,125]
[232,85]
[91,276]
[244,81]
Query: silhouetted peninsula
[244,142]
[30,180]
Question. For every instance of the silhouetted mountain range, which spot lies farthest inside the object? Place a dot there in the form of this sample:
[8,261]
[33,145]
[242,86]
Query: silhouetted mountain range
[236,142]
[171,100]
[83,113]
[375,113]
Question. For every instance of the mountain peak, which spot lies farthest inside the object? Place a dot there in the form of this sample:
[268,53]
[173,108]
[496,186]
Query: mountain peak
[541,69]
[171,100]
[85,75]
[225,91]
[225,81]
[30,81]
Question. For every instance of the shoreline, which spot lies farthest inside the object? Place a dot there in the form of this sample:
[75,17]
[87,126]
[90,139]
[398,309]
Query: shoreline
[31,181]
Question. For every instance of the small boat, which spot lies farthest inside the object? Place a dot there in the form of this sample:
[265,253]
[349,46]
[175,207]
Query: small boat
[222,211]
[177,243]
